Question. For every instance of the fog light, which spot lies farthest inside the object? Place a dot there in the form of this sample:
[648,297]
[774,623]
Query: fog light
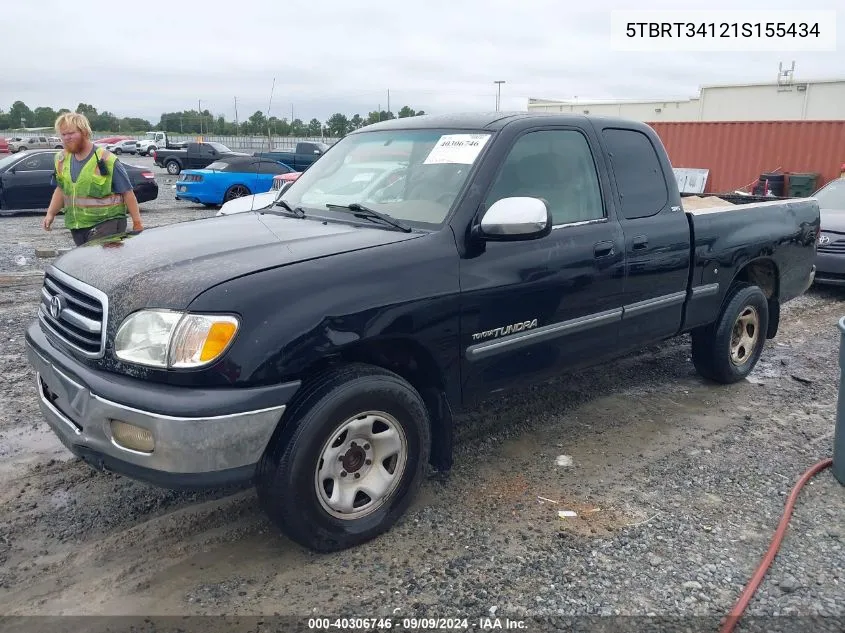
[132,437]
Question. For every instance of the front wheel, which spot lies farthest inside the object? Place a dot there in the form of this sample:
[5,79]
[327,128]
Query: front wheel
[347,460]
[727,350]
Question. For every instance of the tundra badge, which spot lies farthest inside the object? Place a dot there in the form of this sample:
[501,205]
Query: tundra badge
[505,330]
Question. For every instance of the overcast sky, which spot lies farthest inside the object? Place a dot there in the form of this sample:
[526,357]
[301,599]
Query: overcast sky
[144,58]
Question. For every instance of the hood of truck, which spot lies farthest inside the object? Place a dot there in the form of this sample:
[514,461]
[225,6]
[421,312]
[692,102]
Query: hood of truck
[833,220]
[169,266]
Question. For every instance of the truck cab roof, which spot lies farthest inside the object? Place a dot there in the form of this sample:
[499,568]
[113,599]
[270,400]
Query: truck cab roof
[493,121]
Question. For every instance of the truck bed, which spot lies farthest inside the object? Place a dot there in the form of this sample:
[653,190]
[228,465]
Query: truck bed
[726,237]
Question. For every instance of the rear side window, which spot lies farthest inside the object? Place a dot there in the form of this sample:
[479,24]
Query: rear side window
[638,173]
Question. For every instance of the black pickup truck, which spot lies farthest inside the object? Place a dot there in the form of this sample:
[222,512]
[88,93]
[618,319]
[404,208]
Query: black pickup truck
[319,348]
[300,158]
[194,156]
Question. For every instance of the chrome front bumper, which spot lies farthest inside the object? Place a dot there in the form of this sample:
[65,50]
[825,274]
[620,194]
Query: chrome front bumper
[189,451]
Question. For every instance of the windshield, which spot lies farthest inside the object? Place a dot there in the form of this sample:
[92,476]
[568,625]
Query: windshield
[412,175]
[150,136]
[832,195]
[219,147]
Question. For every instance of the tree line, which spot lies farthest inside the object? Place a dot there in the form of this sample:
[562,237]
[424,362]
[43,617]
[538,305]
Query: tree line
[200,122]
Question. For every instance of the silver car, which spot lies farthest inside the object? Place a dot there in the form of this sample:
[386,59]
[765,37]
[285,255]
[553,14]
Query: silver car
[123,147]
[830,252]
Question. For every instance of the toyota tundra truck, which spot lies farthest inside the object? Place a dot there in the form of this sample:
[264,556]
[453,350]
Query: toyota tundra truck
[319,347]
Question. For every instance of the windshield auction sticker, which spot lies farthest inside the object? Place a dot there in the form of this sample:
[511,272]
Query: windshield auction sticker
[456,148]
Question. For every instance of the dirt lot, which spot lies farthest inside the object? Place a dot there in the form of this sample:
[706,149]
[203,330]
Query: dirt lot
[678,486]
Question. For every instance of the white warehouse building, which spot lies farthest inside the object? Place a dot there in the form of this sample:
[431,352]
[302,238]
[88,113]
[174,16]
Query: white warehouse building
[773,101]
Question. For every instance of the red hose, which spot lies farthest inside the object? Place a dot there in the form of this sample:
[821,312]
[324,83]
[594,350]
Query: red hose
[755,581]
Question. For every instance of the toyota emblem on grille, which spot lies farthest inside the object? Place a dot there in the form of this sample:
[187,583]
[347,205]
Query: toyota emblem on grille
[57,304]
[824,239]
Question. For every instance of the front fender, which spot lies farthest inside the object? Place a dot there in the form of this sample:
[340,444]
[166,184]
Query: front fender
[298,315]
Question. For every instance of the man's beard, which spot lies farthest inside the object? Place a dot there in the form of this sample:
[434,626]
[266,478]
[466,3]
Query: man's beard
[74,146]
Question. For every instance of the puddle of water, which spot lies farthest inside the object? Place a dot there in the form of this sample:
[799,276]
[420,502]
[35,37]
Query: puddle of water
[22,446]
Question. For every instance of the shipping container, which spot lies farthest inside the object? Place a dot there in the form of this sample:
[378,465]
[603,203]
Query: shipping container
[738,152]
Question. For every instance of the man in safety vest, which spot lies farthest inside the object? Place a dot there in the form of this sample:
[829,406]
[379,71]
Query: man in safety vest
[92,186]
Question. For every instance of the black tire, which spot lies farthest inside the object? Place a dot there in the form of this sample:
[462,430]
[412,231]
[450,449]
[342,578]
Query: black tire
[236,191]
[173,167]
[712,346]
[288,472]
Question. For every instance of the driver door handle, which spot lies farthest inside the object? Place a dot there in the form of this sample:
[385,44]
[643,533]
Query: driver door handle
[640,242]
[603,249]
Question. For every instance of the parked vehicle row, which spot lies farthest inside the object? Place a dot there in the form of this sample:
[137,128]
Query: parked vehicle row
[320,347]
[25,180]
[228,178]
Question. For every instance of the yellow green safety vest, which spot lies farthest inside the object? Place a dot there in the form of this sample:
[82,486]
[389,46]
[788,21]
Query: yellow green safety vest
[90,199]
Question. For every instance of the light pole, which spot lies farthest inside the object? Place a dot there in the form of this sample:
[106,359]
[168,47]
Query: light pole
[499,93]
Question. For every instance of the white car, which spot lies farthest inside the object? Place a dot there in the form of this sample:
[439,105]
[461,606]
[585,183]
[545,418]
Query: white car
[259,201]
[255,202]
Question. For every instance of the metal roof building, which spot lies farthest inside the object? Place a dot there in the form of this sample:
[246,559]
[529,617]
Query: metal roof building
[783,100]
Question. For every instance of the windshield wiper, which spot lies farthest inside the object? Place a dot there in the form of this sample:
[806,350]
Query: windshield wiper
[365,212]
[298,211]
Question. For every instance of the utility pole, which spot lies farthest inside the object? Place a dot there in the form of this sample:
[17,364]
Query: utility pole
[199,112]
[237,130]
[499,94]
[388,103]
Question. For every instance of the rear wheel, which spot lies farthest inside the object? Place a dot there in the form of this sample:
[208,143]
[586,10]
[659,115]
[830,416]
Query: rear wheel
[172,167]
[236,191]
[347,460]
[728,350]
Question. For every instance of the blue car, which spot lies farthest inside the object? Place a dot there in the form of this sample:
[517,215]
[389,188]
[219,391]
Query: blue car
[227,179]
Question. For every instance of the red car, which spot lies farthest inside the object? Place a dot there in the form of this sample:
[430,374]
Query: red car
[281,179]
[111,139]
[4,146]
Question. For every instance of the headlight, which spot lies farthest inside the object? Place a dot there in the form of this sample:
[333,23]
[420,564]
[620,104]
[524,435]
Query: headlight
[164,338]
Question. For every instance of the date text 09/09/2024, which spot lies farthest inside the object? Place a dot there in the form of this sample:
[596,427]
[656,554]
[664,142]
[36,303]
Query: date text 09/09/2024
[723,29]
[414,624]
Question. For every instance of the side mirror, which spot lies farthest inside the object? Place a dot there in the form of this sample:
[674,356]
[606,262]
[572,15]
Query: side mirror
[515,218]
[316,151]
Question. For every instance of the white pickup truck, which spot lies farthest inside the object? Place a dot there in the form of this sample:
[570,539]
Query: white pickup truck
[156,140]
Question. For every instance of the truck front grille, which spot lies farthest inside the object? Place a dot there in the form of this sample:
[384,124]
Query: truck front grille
[74,312]
[277,184]
[835,246]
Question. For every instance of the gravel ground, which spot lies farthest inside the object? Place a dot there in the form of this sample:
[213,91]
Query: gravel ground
[678,486]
